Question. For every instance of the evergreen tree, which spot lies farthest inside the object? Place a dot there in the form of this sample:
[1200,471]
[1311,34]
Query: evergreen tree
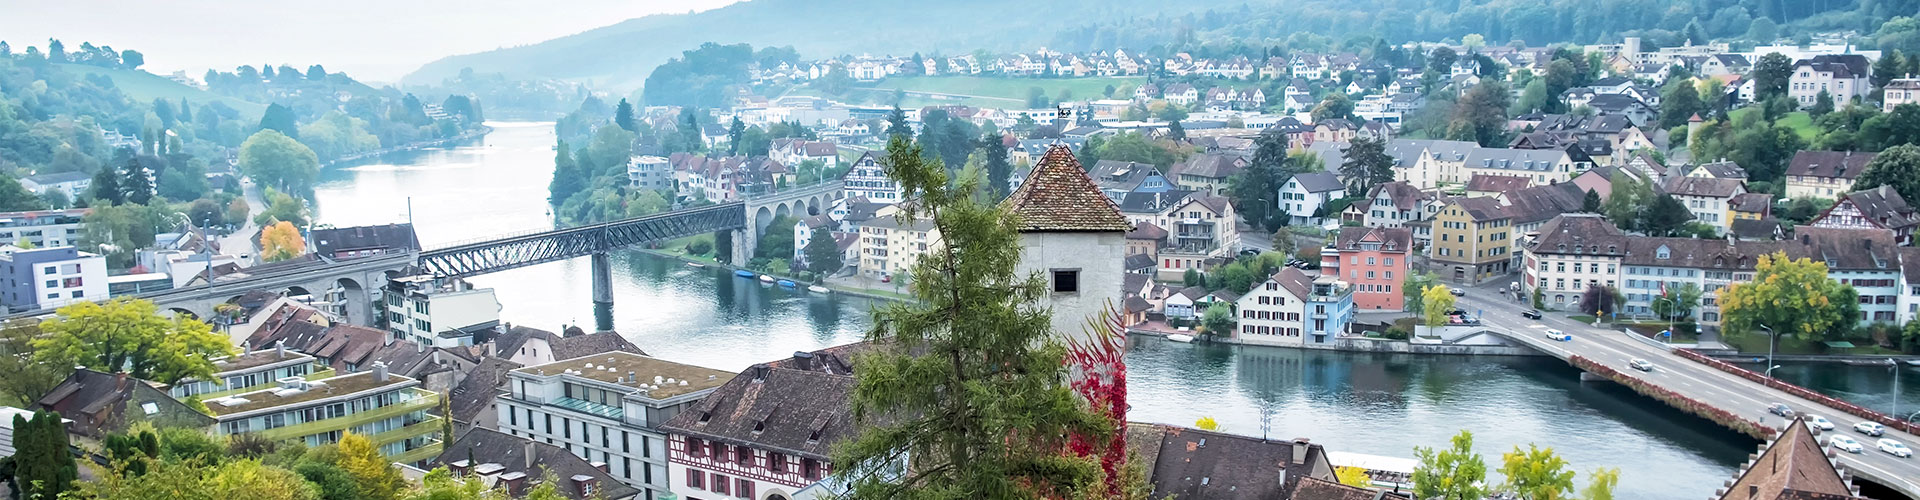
[723,247]
[735,131]
[281,119]
[1367,165]
[623,116]
[1822,104]
[567,176]
[999,169]
[106,186]
[138,185]
[897,123]
[1888,68]
[43,466]
[972,383]
[823,254]
[1255,190]
[1590,204]
[186,113]
[1176,131]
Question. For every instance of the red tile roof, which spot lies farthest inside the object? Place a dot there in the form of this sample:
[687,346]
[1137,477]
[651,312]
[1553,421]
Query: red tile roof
[1058,196]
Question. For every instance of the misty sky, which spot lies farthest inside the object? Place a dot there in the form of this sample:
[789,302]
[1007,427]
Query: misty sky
[371,40]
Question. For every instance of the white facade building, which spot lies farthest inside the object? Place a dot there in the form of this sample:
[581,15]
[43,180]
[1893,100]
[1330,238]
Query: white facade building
[45,228]
[866,178]
[649,172]
[439,315]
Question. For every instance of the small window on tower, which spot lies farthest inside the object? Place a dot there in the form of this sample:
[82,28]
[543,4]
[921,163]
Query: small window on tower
[1066,281]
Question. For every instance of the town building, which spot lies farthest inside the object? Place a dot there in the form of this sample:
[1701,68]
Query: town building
[1119,178]
[43,228]
[867,179]
[390,409]
[1273,312]
[438,313]
[1207,172]
[766,433]
[1877,208]
[607,408]
[1544,166]
[1394,204]
[1709,199]
[1374,260]
[890,247]
[1900,91]
[516,465]
[649,172]
[1189,463]
[1075,238]
[1824,174]
[98,403]
[1844,77]
[1572,253]
[73,185]
[47,278]
[364,241]
[1304,196]
[1423,162]
[249,372]
[1472,240]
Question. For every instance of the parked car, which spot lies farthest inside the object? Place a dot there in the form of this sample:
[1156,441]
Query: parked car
[1457,292]
[1846,444]
[1641,364]
[1895,448]
[1559,335]
[1820,422]
[1870,429]
[1530,314]
[1780,409]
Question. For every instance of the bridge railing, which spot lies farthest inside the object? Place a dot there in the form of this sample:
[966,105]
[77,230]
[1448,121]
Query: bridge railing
[1802,392]
[1696,407]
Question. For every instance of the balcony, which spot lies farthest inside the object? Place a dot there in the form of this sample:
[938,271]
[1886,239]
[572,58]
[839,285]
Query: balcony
[430,425]
[591,408]
[325,373]
[349,421]
[432,449]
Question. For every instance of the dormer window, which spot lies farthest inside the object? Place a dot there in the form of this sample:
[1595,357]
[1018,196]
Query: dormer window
[1662,253]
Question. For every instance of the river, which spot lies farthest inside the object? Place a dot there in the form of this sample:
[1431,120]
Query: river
[1365,403]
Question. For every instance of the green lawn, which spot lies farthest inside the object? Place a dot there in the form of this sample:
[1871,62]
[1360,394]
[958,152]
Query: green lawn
[1799,121]
[1008,91]
[1788,344]
[144,87]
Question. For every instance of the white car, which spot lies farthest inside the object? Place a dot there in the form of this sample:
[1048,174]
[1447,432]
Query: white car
[1895,448]
[1641,364]
[1559,336]
[1846,444]
[1820,422]
[1870,428]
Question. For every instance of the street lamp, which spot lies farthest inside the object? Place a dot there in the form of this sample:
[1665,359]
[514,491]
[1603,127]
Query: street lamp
[1895,364]
[1771,339]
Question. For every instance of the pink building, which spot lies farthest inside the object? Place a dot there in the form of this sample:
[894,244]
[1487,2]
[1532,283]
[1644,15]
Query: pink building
[1375,260]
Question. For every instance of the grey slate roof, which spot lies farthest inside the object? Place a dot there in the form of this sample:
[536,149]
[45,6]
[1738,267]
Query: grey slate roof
[1193,464]
[1406,152]
[1540,203]
[1520,161]
[1829,164]
[1703,187]
[1581,234]
[1139,261]
[477,391]
[798,412]
[1122,176]
[1152,203]
[1318,182]
[535,459]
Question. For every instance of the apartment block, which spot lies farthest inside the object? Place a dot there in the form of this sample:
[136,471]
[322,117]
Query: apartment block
[387,408]
[440,313]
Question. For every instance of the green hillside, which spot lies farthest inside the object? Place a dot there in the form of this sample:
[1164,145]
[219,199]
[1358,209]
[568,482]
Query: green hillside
[1001,91]
[142,86]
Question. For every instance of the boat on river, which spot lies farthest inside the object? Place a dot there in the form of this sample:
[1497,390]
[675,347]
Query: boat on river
[786,283]
[818,289]
[696,265]
[743,273]
[766,278]
[1180,337]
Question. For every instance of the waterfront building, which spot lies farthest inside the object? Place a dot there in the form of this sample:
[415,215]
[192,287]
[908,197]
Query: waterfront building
[890,247]
[43,228]
[649,172]
[1471,240]
[1273,312]
[516,465]
[47,278]
[867,179]
[1192,463]
[1374,260]
[439,313]
[251,371]
[607,408]
[1571,253]
[387,408]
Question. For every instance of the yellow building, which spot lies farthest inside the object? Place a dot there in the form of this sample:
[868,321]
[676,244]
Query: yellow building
[889,247]
[1472,240]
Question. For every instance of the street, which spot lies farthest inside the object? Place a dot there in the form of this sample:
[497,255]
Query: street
[1690,378]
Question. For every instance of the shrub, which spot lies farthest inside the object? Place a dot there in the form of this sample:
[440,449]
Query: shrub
[1397,333]
[700,247]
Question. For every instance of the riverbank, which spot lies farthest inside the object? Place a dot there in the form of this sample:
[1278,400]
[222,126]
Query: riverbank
[836,288]
[483,130]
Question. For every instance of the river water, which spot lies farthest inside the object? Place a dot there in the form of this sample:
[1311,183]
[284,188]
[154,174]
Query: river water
[1364,403]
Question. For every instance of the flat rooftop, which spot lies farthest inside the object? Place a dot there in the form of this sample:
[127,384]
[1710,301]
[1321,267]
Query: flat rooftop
[256,359]
[317,390]
[613,367]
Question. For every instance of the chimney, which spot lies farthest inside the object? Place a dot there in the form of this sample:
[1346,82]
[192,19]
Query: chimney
[246,347]
[531,452]
[759,373]
[280,349]
[489,348]
[380,371]
[1300,447]
[599,465]
[419,347]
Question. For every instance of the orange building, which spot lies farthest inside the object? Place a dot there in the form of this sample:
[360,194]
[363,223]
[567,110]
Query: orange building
[1375,260]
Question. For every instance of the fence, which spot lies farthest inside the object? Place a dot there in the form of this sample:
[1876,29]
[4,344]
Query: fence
[1802,392]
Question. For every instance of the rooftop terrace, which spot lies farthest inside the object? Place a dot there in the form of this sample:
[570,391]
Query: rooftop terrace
[316,390]
[660,379]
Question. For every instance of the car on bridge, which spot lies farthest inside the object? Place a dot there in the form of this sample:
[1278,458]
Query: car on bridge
[1895,448]
[1641,364]
[1870,429]
[1457,292]
[1780,409]
[1846,444]
[1531,314]
[1819,422]
[1559,336]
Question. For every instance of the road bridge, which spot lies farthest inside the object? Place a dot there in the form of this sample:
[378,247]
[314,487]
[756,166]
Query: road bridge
[1692,379]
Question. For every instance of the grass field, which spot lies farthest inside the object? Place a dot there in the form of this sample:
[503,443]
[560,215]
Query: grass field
[1000,91]
[144,87]
[1799,121]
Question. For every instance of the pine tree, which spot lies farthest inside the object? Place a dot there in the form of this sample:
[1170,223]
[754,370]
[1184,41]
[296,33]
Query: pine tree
[971,383]
[280,118]
[723,247]
[1591,204]
[138,185]
[43,466]
[623,116]
[106,186]
[999,170]
[734,132]
[1176,131]
[567,177]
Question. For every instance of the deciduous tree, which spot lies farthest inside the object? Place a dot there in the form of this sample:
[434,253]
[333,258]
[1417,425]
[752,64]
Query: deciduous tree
[1536,473]
[1218,320]
[280,119]
[281,241]
[823,255]
[1791,296]
[1770,75]
[1413,291]
[375,475]
[1898,167]
[274,159]
[972,384]
[1353,476]
[1454,473]
[129,333]
[1600,484]
[22,378]
[1436,301]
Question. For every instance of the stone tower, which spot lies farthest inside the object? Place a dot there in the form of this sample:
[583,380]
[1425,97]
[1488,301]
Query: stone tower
[1075,237]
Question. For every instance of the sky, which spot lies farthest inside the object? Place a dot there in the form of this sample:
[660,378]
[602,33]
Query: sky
[370,40]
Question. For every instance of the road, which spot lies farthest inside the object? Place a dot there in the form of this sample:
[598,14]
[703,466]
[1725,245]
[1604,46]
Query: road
[239,242]
[1690,378]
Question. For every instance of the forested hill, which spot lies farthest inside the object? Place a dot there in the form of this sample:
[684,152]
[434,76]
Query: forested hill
[620,56]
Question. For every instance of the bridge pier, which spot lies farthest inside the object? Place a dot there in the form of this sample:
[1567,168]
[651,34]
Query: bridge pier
[602,292]
[744,241]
